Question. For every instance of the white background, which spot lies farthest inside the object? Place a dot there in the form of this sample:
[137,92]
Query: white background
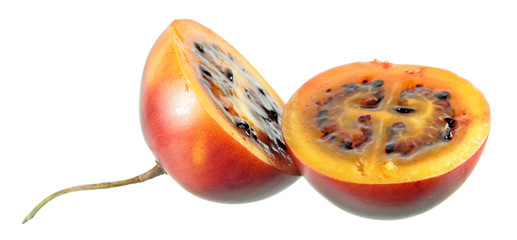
[69,93]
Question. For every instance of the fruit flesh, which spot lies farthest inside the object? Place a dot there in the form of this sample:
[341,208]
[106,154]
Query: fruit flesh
[373,160]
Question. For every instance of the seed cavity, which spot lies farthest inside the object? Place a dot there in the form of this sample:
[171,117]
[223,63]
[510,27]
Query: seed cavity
[242,100]
[362,95]
[401,138]
[376,83]
[440,127]
[322,113]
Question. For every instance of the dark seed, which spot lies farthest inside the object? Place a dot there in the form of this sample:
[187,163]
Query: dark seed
[205,71]
[229,74]
[281,144]
[404,110]
[322,113]
[390,147]
[328,90]
[261,91]
[371,102]
[419,85]
[248,93]
[200,47]
[254,136]
[364,81]
[447,134]
[377,83]
[364,118]
[248,131]
[443,96]
[242,124]
[347,145]
[451,122]
[273,115]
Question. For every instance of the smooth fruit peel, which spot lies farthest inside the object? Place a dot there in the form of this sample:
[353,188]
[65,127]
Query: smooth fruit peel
[185,123]
[390,201]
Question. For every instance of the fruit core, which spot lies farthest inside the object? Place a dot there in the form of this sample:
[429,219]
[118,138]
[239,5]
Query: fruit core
[242,100]
[419,117]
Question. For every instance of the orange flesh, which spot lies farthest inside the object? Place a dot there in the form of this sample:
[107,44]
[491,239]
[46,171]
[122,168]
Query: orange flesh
[366,158]
[233,93]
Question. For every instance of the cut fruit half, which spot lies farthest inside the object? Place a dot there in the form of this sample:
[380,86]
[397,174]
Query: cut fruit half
[385,140]
[210,118]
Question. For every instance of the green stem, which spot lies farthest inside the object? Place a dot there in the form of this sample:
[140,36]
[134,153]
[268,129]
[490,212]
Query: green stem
[153,172]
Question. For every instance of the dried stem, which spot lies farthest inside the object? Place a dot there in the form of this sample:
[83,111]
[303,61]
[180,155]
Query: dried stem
[153,172]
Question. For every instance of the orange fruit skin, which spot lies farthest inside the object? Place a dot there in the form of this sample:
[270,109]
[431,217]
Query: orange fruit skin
[190,145]
[389,201]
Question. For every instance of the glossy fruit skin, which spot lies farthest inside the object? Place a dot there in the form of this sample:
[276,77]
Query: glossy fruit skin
[389,201]
[190,145]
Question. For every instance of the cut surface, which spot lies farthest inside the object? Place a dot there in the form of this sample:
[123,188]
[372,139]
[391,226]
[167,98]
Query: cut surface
[384,123]
[233,93]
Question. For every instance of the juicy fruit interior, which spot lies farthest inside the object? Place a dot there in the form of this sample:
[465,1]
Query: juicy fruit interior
[238,98]
[383,123]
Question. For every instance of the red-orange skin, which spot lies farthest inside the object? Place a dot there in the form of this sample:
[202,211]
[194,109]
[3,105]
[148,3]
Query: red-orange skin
[389,201]
[190,145]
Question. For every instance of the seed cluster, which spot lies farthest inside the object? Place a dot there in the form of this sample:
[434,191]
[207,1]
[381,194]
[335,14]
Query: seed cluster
[360,132]
[441,127]
[368,96]
[241,99]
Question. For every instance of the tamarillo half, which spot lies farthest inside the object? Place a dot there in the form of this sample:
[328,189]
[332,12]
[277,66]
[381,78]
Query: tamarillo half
[211,120]
[386,141]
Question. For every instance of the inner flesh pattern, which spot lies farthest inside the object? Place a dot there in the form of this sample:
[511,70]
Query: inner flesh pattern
[242,100]
[345,116]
